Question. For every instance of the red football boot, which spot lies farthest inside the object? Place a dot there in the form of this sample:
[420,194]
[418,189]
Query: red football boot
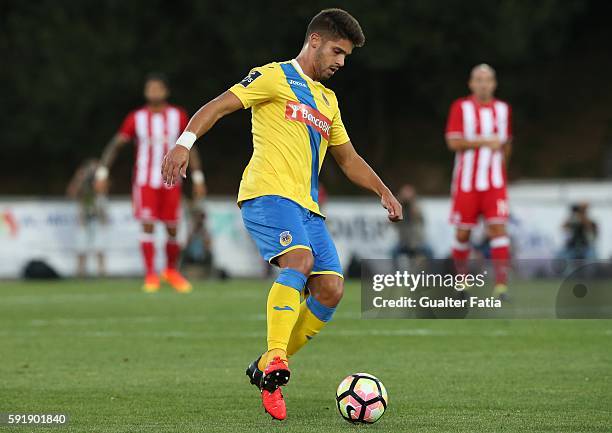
[275,375]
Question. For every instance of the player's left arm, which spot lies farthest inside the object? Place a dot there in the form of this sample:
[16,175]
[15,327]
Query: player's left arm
[507,150]
[507,146]
[361,174]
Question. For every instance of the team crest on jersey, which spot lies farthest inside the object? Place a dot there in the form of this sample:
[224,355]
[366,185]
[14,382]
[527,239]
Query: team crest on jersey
[250,78]
[285,238]
[324,99]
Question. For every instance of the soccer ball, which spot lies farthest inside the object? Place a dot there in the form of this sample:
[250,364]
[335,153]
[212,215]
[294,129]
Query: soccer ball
[361,398]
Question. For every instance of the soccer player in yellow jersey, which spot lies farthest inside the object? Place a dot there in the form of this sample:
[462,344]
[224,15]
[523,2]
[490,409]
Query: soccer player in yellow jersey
[295,120]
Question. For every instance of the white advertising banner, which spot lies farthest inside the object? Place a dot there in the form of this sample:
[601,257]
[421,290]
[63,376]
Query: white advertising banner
[48,230]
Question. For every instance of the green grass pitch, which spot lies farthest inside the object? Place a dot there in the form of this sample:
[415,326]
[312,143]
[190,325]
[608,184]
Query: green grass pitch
[117,360]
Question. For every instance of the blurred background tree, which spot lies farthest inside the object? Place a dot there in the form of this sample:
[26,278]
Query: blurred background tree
[72,70]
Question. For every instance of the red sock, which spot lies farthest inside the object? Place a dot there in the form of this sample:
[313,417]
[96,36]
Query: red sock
[173,251]
[461,254]
[148,253]
[500,254]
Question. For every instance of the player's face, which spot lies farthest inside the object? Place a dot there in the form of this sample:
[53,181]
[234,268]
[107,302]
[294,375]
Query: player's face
[482,84]
[155,92]
[329,57]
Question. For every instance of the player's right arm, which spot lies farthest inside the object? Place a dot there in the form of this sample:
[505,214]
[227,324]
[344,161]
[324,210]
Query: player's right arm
[106,161]
[112,149]
[176,161]
[204,119]
[257,87]
[126,133]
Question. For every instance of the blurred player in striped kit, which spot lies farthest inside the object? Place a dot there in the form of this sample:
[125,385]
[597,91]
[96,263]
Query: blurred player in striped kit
[154,128]
[479,132]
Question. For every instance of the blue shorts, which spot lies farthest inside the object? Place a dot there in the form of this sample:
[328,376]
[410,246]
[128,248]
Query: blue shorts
[278,225]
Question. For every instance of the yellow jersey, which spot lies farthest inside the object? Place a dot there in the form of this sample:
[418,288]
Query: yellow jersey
[294,120]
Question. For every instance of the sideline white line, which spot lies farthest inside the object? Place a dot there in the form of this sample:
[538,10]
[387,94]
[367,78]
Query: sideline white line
[207,335]
[200,318]
[416,332]
[69,298]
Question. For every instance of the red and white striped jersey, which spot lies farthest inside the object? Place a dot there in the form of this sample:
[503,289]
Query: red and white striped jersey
[154,134]
[479,169]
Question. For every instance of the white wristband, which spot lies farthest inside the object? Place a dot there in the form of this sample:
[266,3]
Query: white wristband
[101,173]
[187,139]
[197,176]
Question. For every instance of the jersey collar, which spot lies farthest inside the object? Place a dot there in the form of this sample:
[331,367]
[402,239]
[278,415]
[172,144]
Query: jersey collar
[482,104]
[298,68]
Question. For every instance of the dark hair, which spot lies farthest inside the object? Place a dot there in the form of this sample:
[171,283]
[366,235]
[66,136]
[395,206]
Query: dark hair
[337,24]
[157,76]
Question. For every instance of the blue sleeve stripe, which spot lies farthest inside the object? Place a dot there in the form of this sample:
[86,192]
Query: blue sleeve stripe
[321,312]
[291,278]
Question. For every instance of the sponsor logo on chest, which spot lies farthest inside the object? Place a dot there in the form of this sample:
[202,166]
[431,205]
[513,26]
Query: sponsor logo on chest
[303,113]
[298,83]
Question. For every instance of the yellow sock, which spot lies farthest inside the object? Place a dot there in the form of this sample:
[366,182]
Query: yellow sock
[263,361]
[313,317]
[283,308]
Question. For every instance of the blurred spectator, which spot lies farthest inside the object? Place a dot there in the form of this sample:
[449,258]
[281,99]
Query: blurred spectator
[581,233]
[411,230]
[93,217]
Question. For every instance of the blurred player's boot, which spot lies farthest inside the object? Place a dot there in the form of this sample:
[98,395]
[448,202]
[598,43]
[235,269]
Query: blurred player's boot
[275,375]
[151,283]
[500,291]
[177,281]
[254,373]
